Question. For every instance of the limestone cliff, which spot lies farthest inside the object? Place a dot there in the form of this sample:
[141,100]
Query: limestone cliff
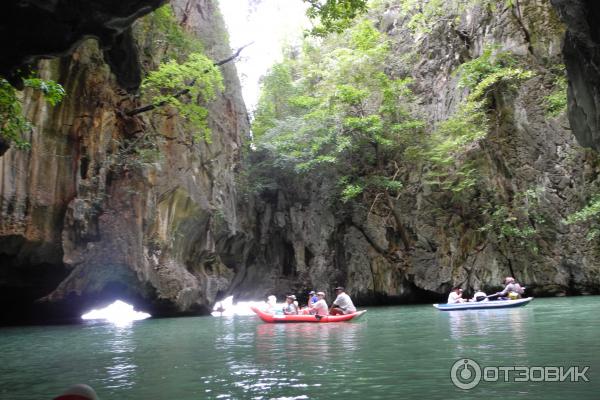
[304,241]
[86,219]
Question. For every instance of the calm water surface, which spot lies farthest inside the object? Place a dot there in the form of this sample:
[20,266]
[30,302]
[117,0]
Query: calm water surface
[390,353]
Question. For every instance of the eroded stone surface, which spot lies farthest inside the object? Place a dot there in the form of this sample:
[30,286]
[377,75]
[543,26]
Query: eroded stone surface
[79,207]
[582,58]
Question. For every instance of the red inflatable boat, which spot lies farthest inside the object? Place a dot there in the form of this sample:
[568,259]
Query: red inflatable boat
[273,318]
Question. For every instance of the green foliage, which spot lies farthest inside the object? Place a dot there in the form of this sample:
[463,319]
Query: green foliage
[351,191]
[556,102]
[516,222]
[334,16]
[277,99]
[491,72]
[333,110]
[186,79]
[591,210]
[200,80]
[167,34]
[588,214]
[423,16]
[53,92]
[489,62]
[12,122]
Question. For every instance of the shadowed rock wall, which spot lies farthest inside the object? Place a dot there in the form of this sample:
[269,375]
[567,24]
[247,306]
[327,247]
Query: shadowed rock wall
[86,219]
[31,29]
[582,59]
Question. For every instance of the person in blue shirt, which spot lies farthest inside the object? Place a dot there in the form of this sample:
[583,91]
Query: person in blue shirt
[312,298]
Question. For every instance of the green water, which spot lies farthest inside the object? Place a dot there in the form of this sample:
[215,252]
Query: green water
[390,353]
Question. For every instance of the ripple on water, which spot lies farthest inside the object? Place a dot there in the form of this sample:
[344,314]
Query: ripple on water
[393,352]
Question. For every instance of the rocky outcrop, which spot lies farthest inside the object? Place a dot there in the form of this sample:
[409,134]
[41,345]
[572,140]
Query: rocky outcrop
[87,216]
[582,58]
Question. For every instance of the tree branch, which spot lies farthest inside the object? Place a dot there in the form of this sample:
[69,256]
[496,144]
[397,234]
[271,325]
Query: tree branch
[185,91]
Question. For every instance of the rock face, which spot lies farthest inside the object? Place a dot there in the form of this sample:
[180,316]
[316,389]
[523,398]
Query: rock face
[302,242]
[84,220]
[582,58]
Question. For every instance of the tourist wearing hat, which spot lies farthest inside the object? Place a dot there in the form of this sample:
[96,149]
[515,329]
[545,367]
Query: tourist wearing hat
[342,303]
[290,307]
[320,306]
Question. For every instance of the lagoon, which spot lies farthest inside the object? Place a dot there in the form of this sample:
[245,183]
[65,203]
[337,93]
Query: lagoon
[400,352]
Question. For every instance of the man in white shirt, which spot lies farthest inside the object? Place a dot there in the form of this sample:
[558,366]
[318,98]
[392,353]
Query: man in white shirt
[342,303]
[320,306]
[455,296]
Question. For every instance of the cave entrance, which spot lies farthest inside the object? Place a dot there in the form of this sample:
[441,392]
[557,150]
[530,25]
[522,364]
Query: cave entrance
[118,312]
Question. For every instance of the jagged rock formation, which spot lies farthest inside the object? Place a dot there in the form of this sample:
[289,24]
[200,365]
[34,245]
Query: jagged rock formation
[84,221]
[582,58]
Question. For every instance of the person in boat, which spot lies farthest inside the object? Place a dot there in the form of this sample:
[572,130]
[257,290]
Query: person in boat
[455,296]
[290,307]
[271,302]
[342,303]
[312,298]
[512,290]
[319,307]
[479,296]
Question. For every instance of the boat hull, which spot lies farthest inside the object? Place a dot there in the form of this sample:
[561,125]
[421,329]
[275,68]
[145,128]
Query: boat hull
[280,318]
[483,305]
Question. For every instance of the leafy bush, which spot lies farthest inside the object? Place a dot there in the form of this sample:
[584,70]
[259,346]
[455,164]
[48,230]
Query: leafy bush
[556,102]
[517,222]
[183,85]
[589,214]
[489,73]
[167,34]
[12,122]
[333,15]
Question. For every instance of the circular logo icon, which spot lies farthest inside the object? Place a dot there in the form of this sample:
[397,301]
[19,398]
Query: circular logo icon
[465,374]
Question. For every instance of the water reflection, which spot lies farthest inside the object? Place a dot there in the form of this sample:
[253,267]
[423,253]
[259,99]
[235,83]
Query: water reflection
[283,358]
[308,341]
[121,369]
[469,329]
